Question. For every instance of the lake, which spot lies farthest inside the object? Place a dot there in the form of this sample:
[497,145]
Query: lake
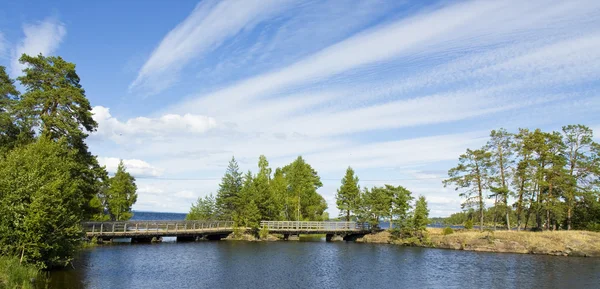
[313,263]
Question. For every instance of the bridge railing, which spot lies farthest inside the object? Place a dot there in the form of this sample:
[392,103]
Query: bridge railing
[153,226]
[314,226]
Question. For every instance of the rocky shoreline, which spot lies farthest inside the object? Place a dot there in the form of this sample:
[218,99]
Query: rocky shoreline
[558,243]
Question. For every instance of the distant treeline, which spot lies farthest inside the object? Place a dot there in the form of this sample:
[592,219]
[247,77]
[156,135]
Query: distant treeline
[545,180]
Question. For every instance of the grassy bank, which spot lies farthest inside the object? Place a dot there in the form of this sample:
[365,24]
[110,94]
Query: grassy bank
[559,243]
[14,275]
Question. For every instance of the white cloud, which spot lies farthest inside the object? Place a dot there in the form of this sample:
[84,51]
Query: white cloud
[392,101]
[134,166]
[460,26]
[42,37]
[211,23]
[111,127]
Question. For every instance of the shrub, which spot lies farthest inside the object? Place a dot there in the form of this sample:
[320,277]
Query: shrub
[469,224]
[447,231]
[238,232]
[263,234]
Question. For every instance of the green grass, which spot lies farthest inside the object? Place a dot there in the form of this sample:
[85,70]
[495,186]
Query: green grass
[17,276]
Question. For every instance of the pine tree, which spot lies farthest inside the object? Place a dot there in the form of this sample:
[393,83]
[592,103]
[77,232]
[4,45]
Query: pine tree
[203,209]
[348,195]
[579,144]
[121,194]
[420,217]
[11,134]
[268,205]
[55,102]
[228,194]
[472,175]
[500,147]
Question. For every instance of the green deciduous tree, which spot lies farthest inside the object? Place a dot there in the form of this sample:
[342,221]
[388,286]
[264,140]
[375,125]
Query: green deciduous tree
[42,202]
[472,177]
[304,203]
[348,195]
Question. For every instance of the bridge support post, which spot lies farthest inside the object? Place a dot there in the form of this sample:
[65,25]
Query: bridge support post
[353,237]
[329,237]
[190,238]
[286,237]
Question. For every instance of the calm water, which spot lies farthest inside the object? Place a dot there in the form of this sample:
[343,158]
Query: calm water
[313,263]
[293,264]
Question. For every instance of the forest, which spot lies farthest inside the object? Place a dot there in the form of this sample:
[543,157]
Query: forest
[534,180]
[290,194]
[49,181]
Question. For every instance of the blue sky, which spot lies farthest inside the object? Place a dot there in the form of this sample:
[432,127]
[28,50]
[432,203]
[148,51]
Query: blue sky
[395,89]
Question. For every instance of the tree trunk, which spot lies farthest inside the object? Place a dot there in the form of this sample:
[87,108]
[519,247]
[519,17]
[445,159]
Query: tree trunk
[347,215]
[480,188]
[494,213]
[520,204]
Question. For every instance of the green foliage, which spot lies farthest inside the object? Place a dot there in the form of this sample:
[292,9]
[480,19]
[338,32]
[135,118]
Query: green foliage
[420,216]
[229,190]
[203,209]
[472,177]
[121,194]
[42,203]
[469,224]
[12,132]
[54,100]
[348,195]
[303,201]
[14,275]
[263,234]
[447,231]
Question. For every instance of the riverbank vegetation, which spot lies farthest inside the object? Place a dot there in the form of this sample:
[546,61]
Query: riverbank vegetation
[49,181]
[535,179]
[14,275]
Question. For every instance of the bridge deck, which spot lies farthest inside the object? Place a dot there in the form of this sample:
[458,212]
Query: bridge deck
[131,229]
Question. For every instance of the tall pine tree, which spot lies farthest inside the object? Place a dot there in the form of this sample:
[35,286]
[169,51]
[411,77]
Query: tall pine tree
[348,195]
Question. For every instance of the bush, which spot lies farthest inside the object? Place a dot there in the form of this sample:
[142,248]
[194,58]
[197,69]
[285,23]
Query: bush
[238,232]
[447,231]
[469,224]
[263,234]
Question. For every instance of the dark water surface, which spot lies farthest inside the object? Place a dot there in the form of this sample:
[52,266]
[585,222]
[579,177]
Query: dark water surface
[298,264]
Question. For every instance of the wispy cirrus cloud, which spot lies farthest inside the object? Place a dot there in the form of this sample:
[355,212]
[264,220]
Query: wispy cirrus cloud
[205,29]
[41,37]
[411,92]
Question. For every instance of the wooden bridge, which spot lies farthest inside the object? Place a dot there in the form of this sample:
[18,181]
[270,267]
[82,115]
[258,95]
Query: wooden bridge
[146,231]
